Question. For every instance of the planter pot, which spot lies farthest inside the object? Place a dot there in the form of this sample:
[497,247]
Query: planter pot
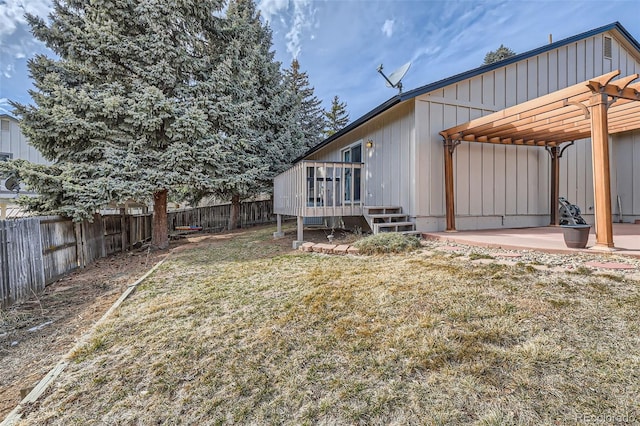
[576,236]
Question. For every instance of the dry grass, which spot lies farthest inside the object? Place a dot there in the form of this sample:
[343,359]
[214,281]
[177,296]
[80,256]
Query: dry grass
[243,332]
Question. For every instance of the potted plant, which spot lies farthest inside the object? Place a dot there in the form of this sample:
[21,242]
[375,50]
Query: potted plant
[576,236]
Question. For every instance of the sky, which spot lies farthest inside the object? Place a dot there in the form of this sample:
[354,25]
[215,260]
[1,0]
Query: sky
[341,43]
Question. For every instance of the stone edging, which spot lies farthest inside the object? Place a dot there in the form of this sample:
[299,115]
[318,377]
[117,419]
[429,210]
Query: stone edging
[328,248]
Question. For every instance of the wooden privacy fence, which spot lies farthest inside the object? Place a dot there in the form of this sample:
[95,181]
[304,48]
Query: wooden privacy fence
[216,218]
[38,250]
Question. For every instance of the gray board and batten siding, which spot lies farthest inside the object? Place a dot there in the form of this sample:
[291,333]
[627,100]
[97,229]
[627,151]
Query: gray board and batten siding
[495,185]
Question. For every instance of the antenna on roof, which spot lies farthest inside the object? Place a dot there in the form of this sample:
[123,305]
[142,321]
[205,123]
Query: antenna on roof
[395,79]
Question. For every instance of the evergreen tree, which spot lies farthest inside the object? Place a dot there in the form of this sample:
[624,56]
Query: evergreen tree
[499,54]
[254,112]
[337,117]
[121,113]
[310,113]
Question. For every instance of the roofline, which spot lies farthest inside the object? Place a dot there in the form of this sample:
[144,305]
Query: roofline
[368,116]
[469,74]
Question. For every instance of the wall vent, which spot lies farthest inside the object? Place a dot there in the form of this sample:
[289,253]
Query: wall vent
[5,125]
[608,47]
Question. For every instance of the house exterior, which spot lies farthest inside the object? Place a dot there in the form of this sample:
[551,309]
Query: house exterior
[14,145]
[396,153]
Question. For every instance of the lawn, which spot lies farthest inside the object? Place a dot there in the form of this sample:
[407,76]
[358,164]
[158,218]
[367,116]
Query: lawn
[239,330]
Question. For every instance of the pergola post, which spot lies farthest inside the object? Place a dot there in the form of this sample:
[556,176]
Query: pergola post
[554,152]
[601,174]
[449,195]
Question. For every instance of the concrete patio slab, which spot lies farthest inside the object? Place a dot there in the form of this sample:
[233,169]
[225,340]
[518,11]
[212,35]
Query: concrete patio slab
[549,239]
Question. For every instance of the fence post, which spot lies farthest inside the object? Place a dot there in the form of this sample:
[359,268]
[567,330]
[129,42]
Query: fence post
[123,229]
[79,235]
[5,290]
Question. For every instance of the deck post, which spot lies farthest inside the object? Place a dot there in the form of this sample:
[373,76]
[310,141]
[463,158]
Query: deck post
[300,239]
[278,233]
[601,172]
[449,148]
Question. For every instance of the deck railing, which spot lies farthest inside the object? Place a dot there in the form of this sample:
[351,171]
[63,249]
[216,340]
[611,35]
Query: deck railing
[320,188]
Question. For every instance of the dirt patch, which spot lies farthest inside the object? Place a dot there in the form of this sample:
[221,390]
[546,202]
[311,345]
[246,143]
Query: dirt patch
[34,335]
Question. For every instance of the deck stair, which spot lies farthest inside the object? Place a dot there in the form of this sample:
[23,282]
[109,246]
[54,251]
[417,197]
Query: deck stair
[388,219]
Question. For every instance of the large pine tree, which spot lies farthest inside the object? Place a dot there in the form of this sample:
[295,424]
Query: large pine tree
[120,114]
[311,115]
[254,113]
[337,117]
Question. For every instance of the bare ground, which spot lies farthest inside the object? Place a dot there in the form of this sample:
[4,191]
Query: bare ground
[35,334]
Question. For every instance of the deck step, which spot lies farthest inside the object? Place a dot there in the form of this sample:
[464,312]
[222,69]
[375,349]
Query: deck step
[370,210]
[382,216]
[388,219]
[393,227]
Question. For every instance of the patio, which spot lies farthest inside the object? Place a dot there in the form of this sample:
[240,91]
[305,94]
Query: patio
[546,239]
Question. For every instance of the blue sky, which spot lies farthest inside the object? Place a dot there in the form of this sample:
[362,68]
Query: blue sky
[341,43]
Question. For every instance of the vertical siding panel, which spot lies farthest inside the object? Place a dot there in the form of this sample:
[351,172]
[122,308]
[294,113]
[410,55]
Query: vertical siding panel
[476,166]
[463,91]
[499,168]
[521,82]
[532,78]
[562,67]
[598,59]
[533,177]
[589,58]
[511,176]
[581,62]
[462,176]
[545,182]
[624,155]
[488,89]
[436,169]
[571,65]
[475,90]
[588,176]
[488,173]
[422,159]
[553,71]
[500,99]
[581,161]
[543,74]
[511,84]
[522,177]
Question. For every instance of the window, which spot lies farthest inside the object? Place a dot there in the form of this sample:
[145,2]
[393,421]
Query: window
[352,176]
[608,48]
[5,156]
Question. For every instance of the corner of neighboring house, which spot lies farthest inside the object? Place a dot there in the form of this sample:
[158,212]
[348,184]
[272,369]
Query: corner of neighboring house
[14,145]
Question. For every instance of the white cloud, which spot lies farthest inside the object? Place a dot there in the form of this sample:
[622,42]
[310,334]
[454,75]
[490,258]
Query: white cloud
[295,15]
[12,13]
[270,8]
[387,27]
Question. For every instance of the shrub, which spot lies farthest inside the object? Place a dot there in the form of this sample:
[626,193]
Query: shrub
[389,242]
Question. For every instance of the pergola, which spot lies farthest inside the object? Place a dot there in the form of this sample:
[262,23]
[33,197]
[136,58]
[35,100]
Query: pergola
[595,108]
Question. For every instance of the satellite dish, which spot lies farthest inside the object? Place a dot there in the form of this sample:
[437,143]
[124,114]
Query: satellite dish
[395,79]
[12,184]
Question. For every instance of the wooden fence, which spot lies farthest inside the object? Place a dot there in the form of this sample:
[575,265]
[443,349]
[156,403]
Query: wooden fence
[36,251]
[216,218]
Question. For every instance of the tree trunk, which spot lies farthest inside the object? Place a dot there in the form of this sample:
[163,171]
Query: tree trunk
[160,228]
[235,212]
